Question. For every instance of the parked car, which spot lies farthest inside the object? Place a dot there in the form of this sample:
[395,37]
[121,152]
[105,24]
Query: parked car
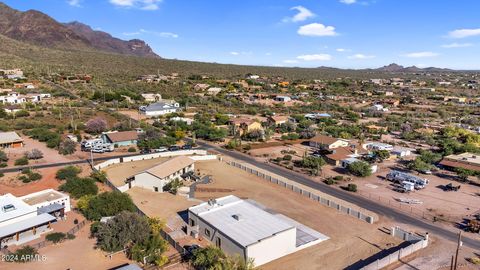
[159,150]
[174,148]
[145,151]
[187,147]
[98,150]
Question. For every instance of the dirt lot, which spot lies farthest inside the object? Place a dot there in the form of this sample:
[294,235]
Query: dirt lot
[452,205]
[161,205]
[49,155]
[10,184]
[71,254]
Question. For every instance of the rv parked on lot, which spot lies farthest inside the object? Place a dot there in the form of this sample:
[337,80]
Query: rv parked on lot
[401,177]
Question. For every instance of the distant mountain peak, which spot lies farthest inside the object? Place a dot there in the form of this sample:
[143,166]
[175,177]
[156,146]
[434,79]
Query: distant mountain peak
[399,68]
[37,28]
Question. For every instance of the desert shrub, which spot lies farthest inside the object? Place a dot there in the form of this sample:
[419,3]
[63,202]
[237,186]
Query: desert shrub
[78,187]
[352,188]
[132,149]
[287,157]
[21,161]
[23,254]
[68,172]
[55,237]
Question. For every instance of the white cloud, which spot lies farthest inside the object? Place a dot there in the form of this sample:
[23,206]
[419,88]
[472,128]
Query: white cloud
[74,3]
[315,57]
[131,33]
[342,50]
[290,61]
[361,56]
[302,15]
[140,4]
[316,30]
[167,35]
[457,45]
[463,33]
[148,32]
[240,53]
[234,53]
[348,2]
[421,54]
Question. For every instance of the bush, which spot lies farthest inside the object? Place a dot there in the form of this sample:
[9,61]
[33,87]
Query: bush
[3,156]
[70,236]
[99,176]
[68,172]
[78,187]
[67,147]
[132,149]
[287,157]
[3,165]
[23,255]
[352,187]
[55,237]
[34,154]
[338,178]
[329,181]
[21,161]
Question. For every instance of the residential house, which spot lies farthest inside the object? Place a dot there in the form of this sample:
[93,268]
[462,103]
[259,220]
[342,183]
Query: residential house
[201,87]
[121,138]
[160,175]
[375,146]
[327,142]
[282,98]
[10,140]
[150,97]
[160,108]
[277,120]
[401,152]
[23,219]
[242,126]
[467,161]
[213,91]
[242,228]
[348,161]
[341,153]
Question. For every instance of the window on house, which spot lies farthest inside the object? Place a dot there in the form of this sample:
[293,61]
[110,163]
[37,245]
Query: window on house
[192,222]
[207,232]
[218,242]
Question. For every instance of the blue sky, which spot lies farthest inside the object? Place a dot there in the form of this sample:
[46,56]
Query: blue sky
[309,33]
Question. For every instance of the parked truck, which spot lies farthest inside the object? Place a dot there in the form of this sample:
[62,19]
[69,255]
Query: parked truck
[401,177]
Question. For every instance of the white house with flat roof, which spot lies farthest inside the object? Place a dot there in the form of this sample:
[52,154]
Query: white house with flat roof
[241,227]
[23,219]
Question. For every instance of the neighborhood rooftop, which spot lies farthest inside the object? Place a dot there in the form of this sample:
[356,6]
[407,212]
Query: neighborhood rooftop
[170,166]
[122,136]
[244,222]
[9,137]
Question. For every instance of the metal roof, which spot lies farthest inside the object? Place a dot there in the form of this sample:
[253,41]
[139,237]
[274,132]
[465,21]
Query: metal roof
[170,166]
[50,208]
[240,220]
[9,137]
[25,224]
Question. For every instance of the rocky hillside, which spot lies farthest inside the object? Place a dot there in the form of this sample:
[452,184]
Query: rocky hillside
[37,28]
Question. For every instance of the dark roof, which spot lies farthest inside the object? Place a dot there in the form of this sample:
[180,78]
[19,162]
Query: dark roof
[122,136]
[458,164]
[50,208]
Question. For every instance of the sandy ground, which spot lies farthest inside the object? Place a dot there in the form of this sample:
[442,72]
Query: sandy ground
[71,254]
[161,205]
[49,155]
[10,184]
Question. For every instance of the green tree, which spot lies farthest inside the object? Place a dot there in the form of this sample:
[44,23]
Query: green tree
[78,187]
[108,204]
[68,172]
[360,168]
[381,155]
[125,228]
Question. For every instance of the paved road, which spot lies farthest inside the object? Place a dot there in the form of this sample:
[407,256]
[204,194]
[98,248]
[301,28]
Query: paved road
[355,199]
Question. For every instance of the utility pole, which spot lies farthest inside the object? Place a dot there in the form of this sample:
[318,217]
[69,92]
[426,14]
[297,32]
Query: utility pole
[459,244]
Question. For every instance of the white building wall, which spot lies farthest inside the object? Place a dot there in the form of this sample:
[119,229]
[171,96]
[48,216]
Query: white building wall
[226,244]
[274,247]
[148,181]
